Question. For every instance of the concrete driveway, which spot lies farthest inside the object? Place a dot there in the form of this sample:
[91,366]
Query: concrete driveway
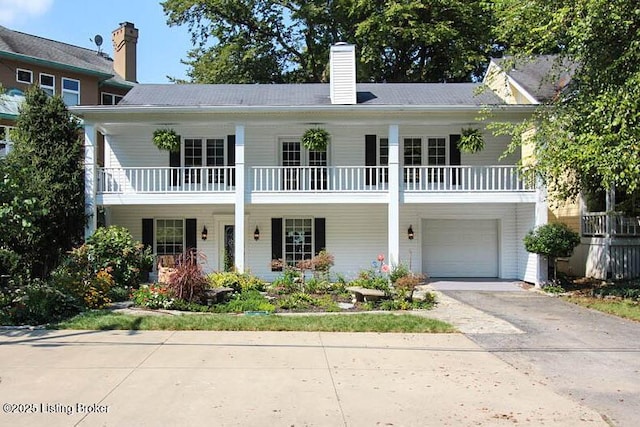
[589,357]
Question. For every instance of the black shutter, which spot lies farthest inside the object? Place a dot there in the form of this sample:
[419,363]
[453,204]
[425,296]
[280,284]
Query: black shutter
[454,157]
[174,162]
[320,237]
[370,157]
[231,158]
[147,232]
[191,233]
[276,241]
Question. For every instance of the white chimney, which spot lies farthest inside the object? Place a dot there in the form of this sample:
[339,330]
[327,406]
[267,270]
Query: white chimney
[342,69]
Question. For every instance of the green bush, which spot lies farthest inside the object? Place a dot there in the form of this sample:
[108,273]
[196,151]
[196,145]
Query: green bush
[38,303]
[552,240]
[247,301]
[299,301]
[371,279]
[398,271]
[239,282]
[113,249]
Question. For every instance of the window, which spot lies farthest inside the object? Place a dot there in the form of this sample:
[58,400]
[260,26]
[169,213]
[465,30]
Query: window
[70,91]
[169,236]
[412,157]
[110,98]
[48,83]
[200,152]
[436,152]
[297,178]
[5,140]
[24,76]
[298,239]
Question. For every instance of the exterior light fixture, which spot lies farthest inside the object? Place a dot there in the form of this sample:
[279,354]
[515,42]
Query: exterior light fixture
[256,234]
[410,233]
[205,233]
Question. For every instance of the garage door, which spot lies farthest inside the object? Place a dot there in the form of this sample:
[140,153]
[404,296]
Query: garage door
[460,248]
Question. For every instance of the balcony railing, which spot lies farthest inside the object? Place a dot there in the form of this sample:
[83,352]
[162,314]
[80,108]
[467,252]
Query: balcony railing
[465,178]
[594,224]
[319,178]
[165,180]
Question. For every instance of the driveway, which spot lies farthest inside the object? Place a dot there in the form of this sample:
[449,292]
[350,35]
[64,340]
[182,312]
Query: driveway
[590,357]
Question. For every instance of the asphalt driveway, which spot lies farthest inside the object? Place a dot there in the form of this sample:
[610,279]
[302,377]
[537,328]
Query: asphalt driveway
[590,357]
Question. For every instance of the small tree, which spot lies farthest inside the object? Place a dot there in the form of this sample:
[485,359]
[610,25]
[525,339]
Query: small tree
[552,240]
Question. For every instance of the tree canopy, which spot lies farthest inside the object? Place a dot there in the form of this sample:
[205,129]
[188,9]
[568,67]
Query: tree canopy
[588,138]
[274,41]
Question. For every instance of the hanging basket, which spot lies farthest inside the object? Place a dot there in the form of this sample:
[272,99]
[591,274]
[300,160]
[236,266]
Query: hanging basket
[166,139]
[315,139]
[471,140]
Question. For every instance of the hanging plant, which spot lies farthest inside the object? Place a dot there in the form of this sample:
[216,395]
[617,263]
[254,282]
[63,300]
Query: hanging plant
[315,139]
[166,139]
[471,140]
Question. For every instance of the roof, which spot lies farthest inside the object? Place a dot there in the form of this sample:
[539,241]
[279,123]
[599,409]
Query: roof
[56,54]
[308,94]
[543,76]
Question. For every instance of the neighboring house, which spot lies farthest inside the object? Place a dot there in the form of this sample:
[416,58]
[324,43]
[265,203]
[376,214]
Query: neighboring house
[243,189]
[610,245]
[78,75]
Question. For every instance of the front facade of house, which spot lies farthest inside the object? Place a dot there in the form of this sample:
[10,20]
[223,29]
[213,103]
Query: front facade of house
[244,190]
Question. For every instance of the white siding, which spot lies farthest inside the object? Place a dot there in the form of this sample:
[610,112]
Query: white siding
[527,262]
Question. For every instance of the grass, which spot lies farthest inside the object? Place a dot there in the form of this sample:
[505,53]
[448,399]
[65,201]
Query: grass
[628,309]
[105,320]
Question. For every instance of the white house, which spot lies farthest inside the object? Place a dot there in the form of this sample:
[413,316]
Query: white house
[391,181]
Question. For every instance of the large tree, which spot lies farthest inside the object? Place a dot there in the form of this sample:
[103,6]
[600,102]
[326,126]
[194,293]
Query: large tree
[275,41]
[42,194]
[588,137]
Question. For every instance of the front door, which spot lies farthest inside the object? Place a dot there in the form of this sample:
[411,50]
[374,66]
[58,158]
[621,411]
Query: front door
[228,247]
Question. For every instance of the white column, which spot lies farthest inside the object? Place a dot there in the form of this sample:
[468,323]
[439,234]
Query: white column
[394,196]
[541,218]
[239,237]
[90,179]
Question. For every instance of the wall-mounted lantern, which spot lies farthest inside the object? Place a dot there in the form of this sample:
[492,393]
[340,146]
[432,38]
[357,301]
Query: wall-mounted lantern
[256,234]
[410,233]
[205,233]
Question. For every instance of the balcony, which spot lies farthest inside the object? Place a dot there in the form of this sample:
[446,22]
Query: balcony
[335,184]
[595,224]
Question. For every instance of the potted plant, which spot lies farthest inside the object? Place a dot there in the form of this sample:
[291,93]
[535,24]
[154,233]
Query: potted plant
[315,139]
[166,139]
[471,140]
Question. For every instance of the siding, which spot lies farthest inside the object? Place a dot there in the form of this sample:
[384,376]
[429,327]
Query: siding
[527,262]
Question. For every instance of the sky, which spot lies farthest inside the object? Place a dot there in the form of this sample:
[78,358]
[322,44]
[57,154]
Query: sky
[160,47]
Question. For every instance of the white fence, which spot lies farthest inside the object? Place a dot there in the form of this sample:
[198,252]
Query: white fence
[165,180]
[464,178]
[319,178]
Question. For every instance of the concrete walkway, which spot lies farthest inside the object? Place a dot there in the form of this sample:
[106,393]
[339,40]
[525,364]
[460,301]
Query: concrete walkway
[158,378]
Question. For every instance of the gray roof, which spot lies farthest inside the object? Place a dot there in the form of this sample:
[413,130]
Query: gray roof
[309,94]
[543,76]
[39,48]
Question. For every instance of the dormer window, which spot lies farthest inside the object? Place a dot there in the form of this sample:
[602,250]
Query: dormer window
[24,76]
[110,98]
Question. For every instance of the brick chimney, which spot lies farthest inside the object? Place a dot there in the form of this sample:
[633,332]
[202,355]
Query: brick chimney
[342,69]
[125,40]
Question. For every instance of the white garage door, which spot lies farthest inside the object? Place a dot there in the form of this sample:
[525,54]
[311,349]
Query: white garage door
[460,248]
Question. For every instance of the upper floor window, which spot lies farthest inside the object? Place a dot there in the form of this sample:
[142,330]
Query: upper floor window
[110,98]
[48,83]
[70,91]
[24,76]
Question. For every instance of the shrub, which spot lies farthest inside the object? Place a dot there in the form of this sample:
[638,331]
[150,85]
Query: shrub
[38,303]
[398,271]
[405,285]
[239,282]
[153,296]
[113,247]
[188,281]
[371,279]
[552,240]
[78,280]
[299,301]
[247,301]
